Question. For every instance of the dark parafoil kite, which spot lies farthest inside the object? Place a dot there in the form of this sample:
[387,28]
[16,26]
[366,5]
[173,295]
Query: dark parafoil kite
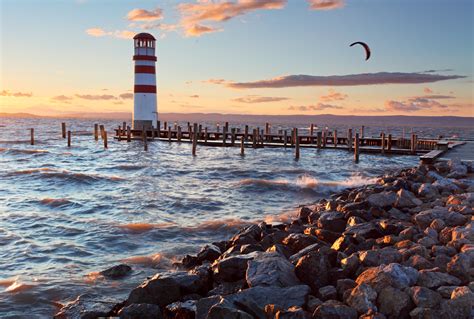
[366,47]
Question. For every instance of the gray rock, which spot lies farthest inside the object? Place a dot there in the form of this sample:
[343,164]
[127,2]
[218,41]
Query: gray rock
[456,169]
[382,199]
[281,297]
[394,303]
[424,297]
[271,270]
[434,279]
[427,190]
[446,291]
[424,313]
[232,268]
[204,304]
[313,269]
[297,242]
[327,293]
[293,313]
[460,266]
[362,298]
[332,221]
[117,271]
[181,310]
[393,274]
[225,309]
[333,309]
[406,199]
[140,311]
[460,305]
[424,218]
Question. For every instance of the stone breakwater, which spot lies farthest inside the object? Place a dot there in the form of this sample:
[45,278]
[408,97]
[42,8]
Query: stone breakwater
[400,248]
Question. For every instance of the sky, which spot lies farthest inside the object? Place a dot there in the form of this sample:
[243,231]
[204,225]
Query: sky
[242,56]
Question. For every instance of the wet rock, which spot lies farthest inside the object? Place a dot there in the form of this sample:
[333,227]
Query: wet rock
[394,303]
[140,311]
[117,271]
[406,199]
[248,235]
[165,289]
[280,249]
[335,310]
[271,270]
[250,248]
[232,268]
[297,242]
[434,279]
[332,221]
[424,297]
[86,306]
[394,275]
[327,293]
[227,288]
[209,253]
[383,199]
[181,310]
[226,310]
[345,243]
[322,234]
[362,298]
[312,269]
[304,214]
[294,258]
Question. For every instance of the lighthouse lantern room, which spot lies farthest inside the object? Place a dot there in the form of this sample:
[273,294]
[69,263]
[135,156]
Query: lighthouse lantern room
[145,111]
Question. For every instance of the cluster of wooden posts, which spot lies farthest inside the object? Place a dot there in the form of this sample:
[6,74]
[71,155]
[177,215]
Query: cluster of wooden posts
[259,138]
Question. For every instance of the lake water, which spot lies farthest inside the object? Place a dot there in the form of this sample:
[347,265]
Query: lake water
[67,213]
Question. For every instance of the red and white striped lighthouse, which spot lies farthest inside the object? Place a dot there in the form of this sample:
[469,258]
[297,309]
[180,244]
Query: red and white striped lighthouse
[145,112]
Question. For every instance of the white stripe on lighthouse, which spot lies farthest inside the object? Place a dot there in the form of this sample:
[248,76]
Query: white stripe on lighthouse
[144,62]
[145,79]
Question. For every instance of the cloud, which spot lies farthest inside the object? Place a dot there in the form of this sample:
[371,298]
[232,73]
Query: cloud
[194,14]
[333,96]
[325,4]
[15,94]
[195,96]
[159,26]
[251,99]
[437,96]
[413,105]
[435,71]
[126,96]
[339,80]
[317,107]
[145,15]
[373,110]
[197,30]
[61,98]
[96,97]
[99,32]
[427,90]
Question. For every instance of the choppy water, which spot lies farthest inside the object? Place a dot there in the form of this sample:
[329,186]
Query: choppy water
[66,213]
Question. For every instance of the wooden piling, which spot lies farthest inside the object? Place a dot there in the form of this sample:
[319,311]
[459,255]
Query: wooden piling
[349,139]
[105,139]
[102,129]
[232,137]
[311,130]
[389,143]
[32,136]
[224,135]
[356,148]
[382,138]
[158,124]
[119,133]
[254,138]
[285,138]
[246,132]
[145,140]
[179,133]
[124,126]
[169,134]
[195,129]
[165,126]
[335,138]
[242,147]
[205,135]
[267,128]
[324,133]
[297,144]
[96,132]
[129,134]
[226,126]
[68,138]
[218,127]
[319,135]
[362,131]
[63,129]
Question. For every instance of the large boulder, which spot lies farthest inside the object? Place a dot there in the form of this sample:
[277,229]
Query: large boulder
[383,199]
[117,271]
[163,289]
[394,275]
[460,266]
[232,268]
[86,306]
[140,311]
[424,297]
[427,190]
[313,270]
[332,221]
[394,303]
[334,309]
[406,199]
[460,305]
[362,298]
[424,218]
[271,269]
[434,279]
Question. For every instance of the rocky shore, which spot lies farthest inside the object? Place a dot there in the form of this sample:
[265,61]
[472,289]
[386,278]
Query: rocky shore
[400,248]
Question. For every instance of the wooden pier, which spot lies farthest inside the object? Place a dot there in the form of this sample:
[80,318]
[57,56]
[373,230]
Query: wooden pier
[259,138]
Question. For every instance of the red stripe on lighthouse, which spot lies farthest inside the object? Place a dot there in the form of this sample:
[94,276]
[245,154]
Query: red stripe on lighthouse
[144,69]
[144,57]
[144,89]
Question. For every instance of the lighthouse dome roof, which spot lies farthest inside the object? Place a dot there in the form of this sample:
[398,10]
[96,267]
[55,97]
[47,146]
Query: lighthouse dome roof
[144,36]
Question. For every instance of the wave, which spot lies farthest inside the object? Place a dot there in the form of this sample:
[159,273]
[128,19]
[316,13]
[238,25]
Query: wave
[16,151]
[46,172]
[55,202]
[14,285]
[144,227]
[307,182]
[158,260]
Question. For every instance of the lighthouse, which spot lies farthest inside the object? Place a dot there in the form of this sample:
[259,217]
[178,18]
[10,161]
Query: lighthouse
[145,111]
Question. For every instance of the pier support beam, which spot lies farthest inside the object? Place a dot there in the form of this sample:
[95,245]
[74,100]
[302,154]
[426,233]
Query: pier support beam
[32,136]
